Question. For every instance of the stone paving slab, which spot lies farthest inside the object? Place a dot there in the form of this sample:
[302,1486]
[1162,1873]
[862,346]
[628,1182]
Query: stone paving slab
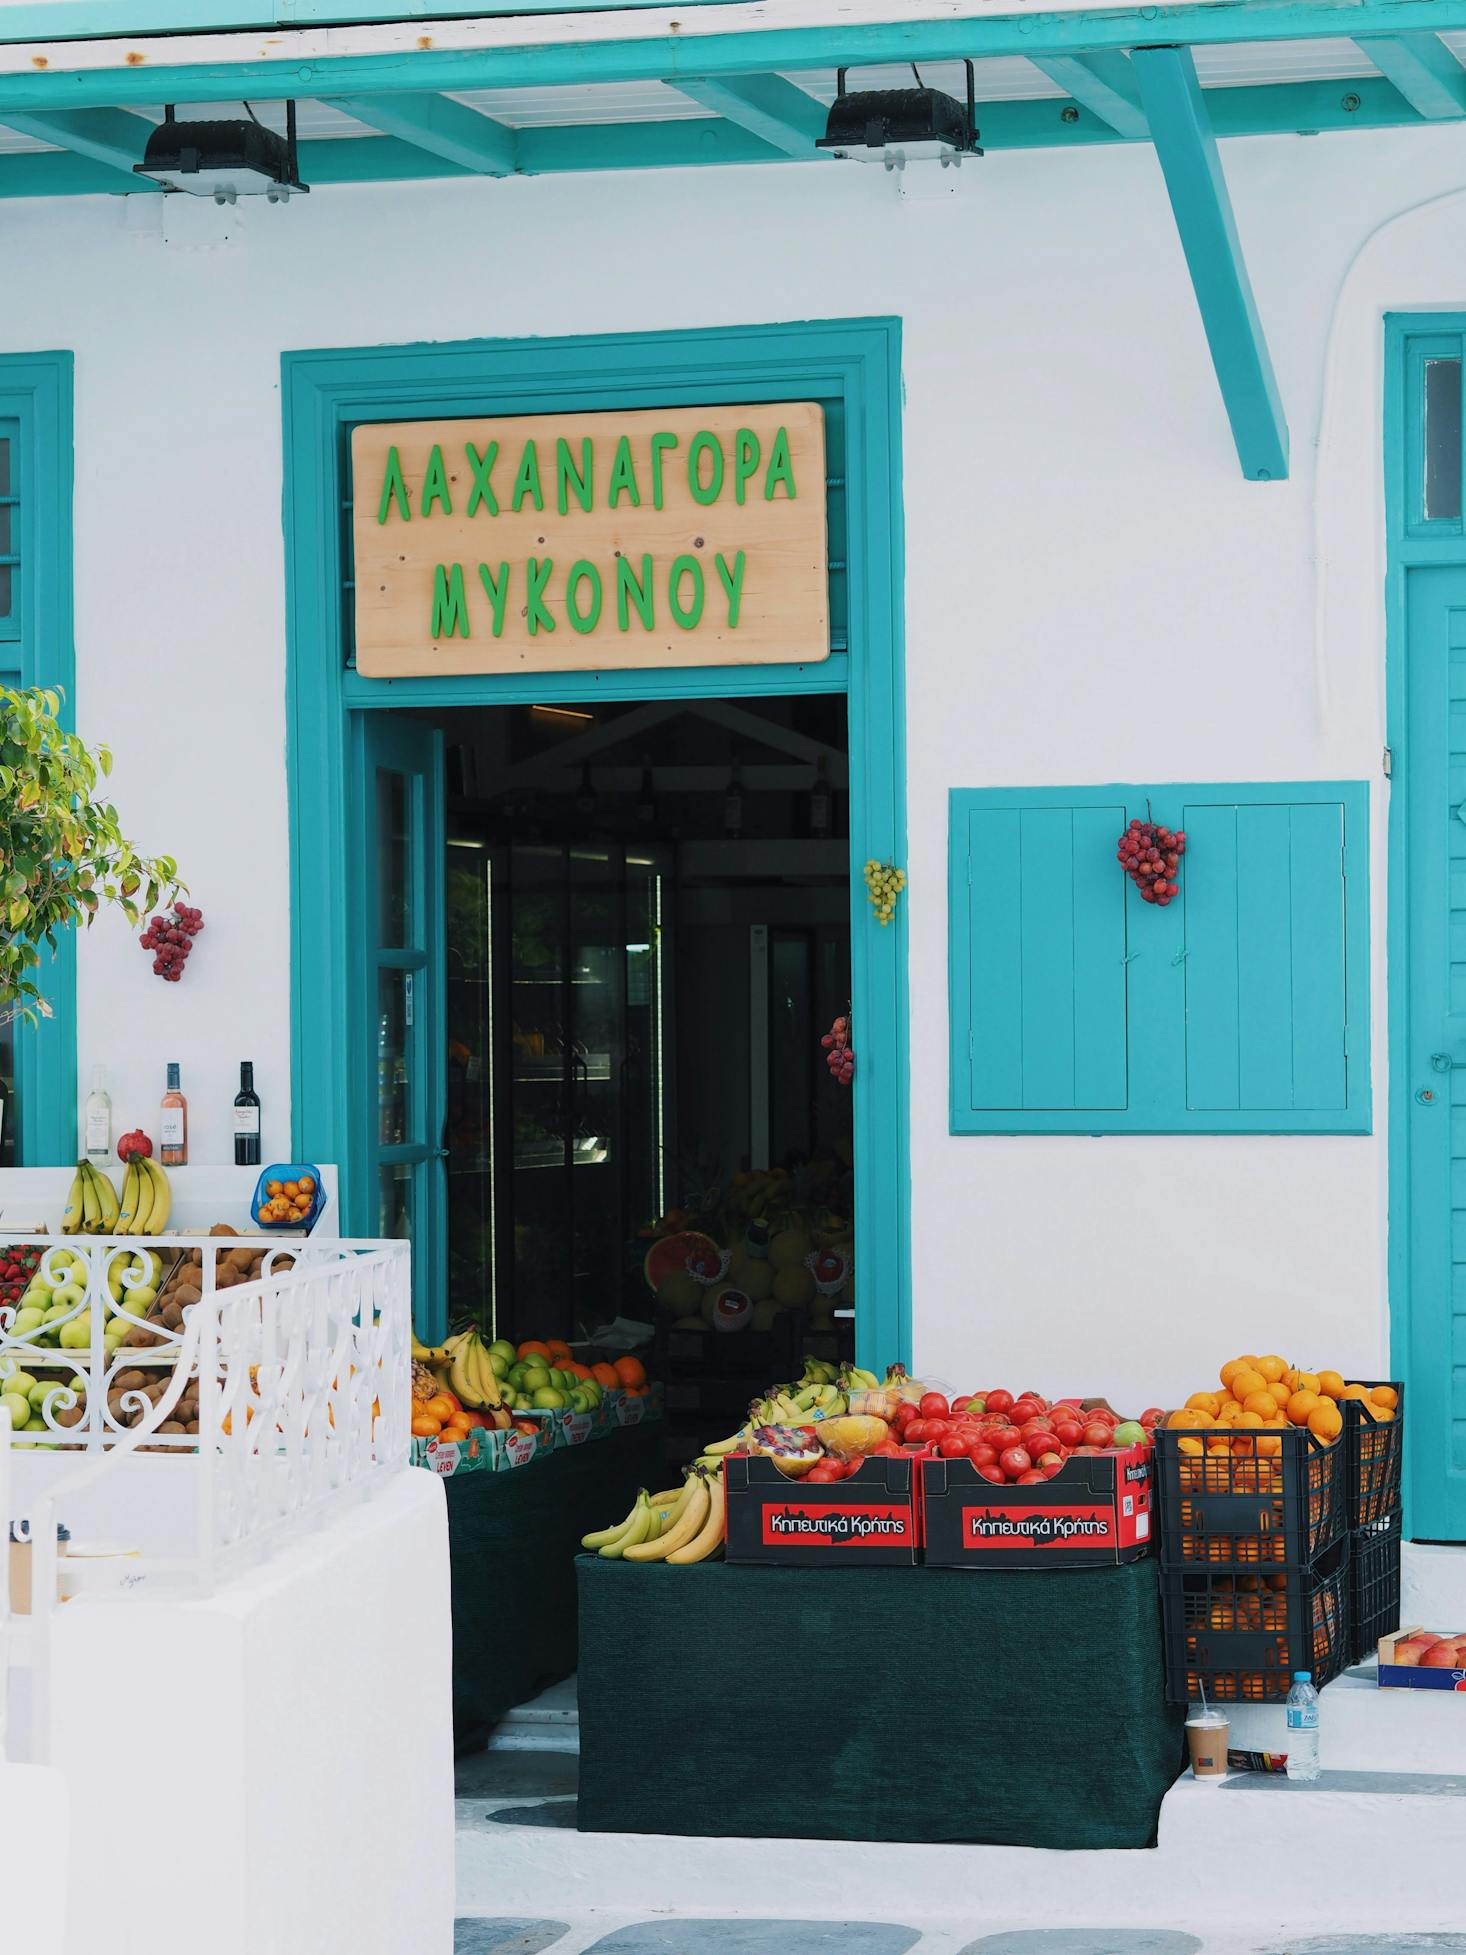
[475,1936]
[682,1937]
[1414,1785]
[1085,1941]
[1371,1945]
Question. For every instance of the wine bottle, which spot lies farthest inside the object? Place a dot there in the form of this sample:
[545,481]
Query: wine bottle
[98,1148]
[246,1118]
[173,1148]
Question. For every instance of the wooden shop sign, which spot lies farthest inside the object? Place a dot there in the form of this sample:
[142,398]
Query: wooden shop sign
[561,543]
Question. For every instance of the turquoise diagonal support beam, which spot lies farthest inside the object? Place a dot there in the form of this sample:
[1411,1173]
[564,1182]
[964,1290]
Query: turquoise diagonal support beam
[1424,70]
[440,126]
[766,106]
[1102,83]
[109,136]
[1187,148]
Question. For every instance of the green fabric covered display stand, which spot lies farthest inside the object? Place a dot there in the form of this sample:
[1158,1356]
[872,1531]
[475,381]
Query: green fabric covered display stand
[512,1541]
[1003,1708]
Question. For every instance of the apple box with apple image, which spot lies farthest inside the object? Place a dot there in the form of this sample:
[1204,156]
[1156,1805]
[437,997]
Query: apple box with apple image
[1095,1511]
[1422,1659]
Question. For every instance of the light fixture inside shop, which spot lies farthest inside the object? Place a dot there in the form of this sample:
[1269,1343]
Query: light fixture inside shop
[897,126]
[224,160]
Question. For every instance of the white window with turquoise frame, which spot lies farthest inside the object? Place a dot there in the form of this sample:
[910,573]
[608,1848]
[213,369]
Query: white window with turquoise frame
[38,1061]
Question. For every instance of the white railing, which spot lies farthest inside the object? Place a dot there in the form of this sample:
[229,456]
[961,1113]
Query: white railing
[279,1397]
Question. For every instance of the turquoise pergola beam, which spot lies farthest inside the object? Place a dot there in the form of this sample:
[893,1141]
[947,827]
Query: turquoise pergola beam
[443,128]
[108,136]
[1102,83]
[1424,70]
[766,106]
[1187,149]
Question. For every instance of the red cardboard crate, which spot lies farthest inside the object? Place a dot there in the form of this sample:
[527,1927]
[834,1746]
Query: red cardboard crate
[1096,1510]
[871,1519]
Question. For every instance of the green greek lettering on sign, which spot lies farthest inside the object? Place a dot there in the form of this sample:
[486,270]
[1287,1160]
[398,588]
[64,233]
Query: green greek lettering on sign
[538,570]
[435,485]
[482,492]
[732,582]
[567,477]
[450,602]
[746,452]
[527,481]
[661,444]
[497,591]
[629,592]
[689,615]
[781,468]
[582,572]
[394,489]
[623,477]
[707,492]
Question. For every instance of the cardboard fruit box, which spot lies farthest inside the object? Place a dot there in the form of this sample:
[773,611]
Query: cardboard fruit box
[1415,1676]
[1096,1510]
[871,1519]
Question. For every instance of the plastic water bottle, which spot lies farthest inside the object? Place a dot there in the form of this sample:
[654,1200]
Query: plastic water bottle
[1303,1728]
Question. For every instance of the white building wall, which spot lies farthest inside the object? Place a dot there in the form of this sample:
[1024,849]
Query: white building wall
[1092,593]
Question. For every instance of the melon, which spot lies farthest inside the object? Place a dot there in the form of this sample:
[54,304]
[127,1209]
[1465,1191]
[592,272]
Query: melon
[789,1246]
[688,1251]
[793,1287]
[679,1290]
[754,1275]
[764,1314]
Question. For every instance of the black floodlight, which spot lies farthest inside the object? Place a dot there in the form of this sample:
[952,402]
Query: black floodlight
[897,126]
[224,160]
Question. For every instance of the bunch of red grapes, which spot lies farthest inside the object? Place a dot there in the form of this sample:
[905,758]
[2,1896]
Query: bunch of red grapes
[1150,856]
[838,1055]
[169,939]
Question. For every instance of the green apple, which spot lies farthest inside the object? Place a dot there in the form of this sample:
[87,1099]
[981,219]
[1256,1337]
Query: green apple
[547,1399]
[23,1382]
[135,1302]
[499,1364]
[578,1401]
[19,1408]
[27,1318]
[502,1348]
[39,1293]
[42,1389]
[71,1294]
[76,1335]
[536,1379]
[1129,1433]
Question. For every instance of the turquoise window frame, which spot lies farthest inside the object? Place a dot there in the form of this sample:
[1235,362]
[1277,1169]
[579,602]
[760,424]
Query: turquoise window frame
[853,361]
[1156,1096]
[38,648]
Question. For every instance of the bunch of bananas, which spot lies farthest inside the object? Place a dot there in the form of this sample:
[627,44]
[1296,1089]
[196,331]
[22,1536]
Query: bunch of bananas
[461,1363]
[684,1525]
[883,884]
[93,1208]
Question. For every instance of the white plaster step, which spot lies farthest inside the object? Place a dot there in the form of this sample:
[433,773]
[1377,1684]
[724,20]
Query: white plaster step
[549,1722]
[1362,1728]
[1409,1831]
[1433,1586]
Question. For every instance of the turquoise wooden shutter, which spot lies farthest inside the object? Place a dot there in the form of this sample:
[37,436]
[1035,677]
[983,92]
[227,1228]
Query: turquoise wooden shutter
[1042,958]
[1242,1007]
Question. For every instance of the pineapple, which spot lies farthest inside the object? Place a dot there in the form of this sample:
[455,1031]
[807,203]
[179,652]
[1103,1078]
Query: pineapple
[424,1384]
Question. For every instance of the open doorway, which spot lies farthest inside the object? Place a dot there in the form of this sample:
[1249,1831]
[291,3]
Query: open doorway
[646,935]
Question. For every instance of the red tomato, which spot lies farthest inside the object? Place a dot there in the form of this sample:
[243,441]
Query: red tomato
[1069,1432]
[1001,1437]
[936,1428]
[952,1445]
[961,1404]
[994,1473]
[999,1402]
[1097,1434]
[1033,1478]
[1042,1424]
[1038,1398]
[822,1474]
[1152,1416]
[1043,1455]
[934,1405]
[1024,1408]
[1049,1467]
[1015,1460]
[1085,1452]
[915,1432]
[888,1449]
[981,1454]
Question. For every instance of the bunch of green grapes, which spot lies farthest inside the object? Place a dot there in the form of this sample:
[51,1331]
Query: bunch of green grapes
[884,883]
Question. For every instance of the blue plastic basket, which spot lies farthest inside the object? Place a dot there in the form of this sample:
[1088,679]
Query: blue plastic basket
[287,1171]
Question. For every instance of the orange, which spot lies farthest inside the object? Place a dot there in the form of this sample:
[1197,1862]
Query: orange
[1331,1384]
[272,1188]
[1272,1369]
[425,1426]
[1229,1413]
[1300,1405]
[1189,1421]
[454,1433]
[307,1184]
[1305,1381]
[558,1349]
[291,1188]
[604,1374]
[1203,1402]
[1189,1445]
[532,1348]
[1385,1395]
[443,1406]
[1230,1369]
[1249,1418]
[1270,1445]
[1326,1422]
[1247,1382]
[1263,1403]
[631,1371]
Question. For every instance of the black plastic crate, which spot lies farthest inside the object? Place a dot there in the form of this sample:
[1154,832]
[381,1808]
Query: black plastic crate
[1239,1633]
[1376,1453]
[1374,1585]
[1271,1496]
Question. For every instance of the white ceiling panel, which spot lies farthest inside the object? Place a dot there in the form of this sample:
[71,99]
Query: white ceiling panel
[314,121]
[540,108]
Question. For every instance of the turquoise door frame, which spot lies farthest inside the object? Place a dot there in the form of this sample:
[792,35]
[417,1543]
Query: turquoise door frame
[1425,583]
[854,364]
[37,648]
